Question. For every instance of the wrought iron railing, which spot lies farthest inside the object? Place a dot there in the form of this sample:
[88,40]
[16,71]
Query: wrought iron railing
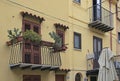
[98,13]
[117,61]
[91,61]
[47,55]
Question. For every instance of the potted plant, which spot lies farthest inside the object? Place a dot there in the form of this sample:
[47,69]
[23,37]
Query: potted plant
[58,41]
[14,36]
[32,36]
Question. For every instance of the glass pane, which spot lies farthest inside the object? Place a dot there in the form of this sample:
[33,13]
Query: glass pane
[61,35]
[27,58]
[77,1]
[118,36]
[77,77]
[36,29]
[95,45]
[77,41]
[27,27]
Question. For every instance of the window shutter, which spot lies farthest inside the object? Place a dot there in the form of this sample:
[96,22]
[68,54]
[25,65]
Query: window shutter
[36,78]
[36,54]
[27,78]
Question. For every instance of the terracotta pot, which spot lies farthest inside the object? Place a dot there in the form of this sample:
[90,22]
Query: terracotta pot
[9,43]
[19,39]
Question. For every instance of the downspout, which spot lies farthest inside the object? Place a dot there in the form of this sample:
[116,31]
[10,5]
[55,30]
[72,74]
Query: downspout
[110,25]
[116,28]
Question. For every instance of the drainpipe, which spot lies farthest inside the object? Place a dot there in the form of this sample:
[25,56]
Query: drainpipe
[110,25]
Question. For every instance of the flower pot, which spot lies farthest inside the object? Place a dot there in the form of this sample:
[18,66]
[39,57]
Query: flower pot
[19,39]
[9,43]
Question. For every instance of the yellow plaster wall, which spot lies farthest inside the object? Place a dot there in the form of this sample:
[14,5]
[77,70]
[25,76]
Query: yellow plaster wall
[76,14]
[11,17]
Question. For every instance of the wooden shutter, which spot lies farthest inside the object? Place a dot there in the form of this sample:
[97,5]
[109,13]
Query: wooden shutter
[31,78]
[27,52]
[59,77]
[36,54]
[31,52]
[36,78]
[61,33]
[27,78]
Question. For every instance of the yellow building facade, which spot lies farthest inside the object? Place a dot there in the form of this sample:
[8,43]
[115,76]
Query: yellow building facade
[85,27]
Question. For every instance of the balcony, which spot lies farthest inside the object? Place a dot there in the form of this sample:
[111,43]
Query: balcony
[100,18]
[93,66]
[117,61]
[23,57]
[92,62]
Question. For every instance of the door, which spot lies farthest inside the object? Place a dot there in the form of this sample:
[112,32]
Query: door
[96,10]
[97,47]
[59,78]
[93,78]
[31,50]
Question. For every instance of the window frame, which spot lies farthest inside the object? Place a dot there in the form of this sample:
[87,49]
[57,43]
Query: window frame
[76,1]
[31,77]
[78,77]
[61,32]
[31,52]
[32,25]
[119,37]
[80,44]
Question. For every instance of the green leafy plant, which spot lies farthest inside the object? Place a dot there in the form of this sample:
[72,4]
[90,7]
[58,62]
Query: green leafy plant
[57,39]
[14,34]
[32,36]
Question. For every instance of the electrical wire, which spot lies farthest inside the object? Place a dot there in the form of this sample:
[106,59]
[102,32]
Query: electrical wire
[45,13]
[50,15]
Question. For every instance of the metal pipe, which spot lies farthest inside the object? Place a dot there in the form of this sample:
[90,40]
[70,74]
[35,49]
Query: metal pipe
[110,25]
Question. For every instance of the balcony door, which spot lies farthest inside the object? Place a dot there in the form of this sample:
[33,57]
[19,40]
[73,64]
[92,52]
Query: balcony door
[97,47]
[96,10]
[93,78]
[31,50]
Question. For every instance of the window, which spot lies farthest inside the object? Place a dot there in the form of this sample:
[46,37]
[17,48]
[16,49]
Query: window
[77,40]
[97,47]
[78,77]
[62,35]
[77,1]
[60,30]
[118,37]
[31,78]
[28,25]
[59,78]
[31,51]
[28,55]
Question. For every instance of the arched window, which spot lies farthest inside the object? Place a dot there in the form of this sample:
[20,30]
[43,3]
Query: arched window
[78,77]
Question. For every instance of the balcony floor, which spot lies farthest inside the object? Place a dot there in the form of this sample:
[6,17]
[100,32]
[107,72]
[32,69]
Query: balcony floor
[92,72]
[100,26]
[33,66]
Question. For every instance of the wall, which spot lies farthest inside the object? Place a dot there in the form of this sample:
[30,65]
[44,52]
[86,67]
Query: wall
[65,12]
[11,17]
[79,18]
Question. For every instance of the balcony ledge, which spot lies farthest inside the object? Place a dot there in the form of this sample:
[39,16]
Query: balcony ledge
[92,72]
[33,66]
[100,26]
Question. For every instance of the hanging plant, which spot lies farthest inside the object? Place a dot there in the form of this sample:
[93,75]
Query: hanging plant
[14,35]
[58,41]
[32,36]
